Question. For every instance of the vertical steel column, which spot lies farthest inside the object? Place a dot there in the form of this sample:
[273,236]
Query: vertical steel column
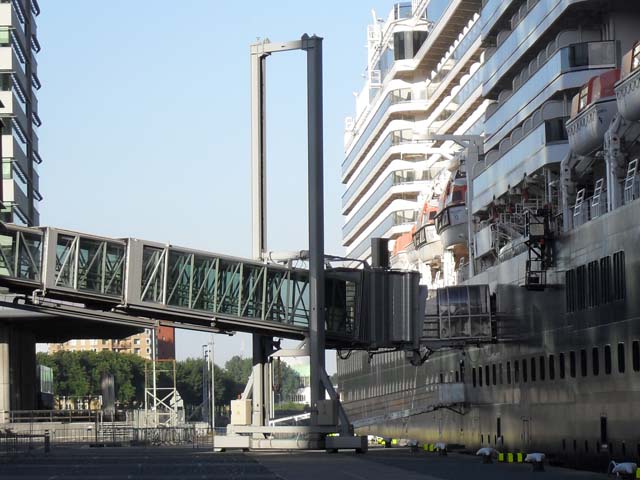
[313,47]
[259,215]
[258,153]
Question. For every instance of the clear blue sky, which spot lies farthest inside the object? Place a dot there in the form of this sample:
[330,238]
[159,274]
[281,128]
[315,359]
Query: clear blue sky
[146,121]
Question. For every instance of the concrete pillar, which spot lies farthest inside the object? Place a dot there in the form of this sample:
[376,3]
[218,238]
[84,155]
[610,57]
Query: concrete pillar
[5,396]
[22,361]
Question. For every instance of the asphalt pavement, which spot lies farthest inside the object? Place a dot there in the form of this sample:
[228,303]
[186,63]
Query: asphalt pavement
[160,463]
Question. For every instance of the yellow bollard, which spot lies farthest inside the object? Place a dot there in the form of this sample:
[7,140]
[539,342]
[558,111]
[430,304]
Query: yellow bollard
[637,472]
[394,441]
[501,457]
[431,447]
[425,447]
[519,457]
[510,457]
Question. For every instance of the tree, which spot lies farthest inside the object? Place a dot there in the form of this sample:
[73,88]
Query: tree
[239,369]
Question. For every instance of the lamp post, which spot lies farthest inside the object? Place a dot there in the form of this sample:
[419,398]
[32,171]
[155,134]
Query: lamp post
[213,386]
[205,385]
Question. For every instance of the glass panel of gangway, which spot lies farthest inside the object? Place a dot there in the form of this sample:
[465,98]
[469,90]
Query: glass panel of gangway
[85,264]
[213,284]
[21,253]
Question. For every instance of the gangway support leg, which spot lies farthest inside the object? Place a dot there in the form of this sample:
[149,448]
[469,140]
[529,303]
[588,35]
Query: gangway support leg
[5,397]
[262,348]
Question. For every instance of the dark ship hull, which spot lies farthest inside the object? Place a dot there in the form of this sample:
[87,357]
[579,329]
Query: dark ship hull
[564,379]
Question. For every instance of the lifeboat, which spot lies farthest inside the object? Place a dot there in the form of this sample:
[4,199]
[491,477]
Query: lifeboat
[451,219]
[592,110]
[426,240]
[628,88]
[404,254]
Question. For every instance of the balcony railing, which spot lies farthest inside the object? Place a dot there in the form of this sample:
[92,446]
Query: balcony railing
[394,97]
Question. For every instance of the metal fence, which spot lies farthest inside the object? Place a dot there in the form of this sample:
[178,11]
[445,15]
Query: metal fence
[12,443]
[105,436]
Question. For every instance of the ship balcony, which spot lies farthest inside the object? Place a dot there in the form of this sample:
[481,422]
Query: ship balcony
[427,243]
[390,224]
[451,225]
[540,140]
[448,24]
[516,38]
[398,100]
[558,67]
[593,109]
[390,150]
[628,89]
[385,195]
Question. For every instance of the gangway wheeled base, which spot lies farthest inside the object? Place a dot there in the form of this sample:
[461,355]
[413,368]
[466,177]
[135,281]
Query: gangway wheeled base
[329,443]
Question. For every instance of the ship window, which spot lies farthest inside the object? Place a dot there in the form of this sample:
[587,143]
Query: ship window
[555,131]
[580,287]
[579,57]
[552,367]
[635,57]
[533,369]
[584,96]
[473,376]
[500,374]
[493,368]
[487,375]
[570,287]
[524,370]
[516,371]
[635,351]
[595,361]
[607,359]
[618,276]
[594,297]
[621,359]
[572,364]
[561,364]
[509,372]
[605,279]
[542,368]
[583,362]
[480,376]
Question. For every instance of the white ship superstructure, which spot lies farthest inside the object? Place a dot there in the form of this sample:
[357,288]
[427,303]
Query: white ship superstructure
[536,221]
[423,79]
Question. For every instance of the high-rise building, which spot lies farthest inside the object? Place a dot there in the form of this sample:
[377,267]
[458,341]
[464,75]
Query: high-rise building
[140,344]
[18,86]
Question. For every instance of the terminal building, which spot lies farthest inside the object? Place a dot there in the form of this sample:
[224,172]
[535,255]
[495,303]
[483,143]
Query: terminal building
[19,84]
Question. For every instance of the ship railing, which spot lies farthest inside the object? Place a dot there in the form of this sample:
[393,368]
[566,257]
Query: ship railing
[631,190]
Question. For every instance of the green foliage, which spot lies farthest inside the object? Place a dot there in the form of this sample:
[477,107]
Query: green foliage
[239,369]
[79,373]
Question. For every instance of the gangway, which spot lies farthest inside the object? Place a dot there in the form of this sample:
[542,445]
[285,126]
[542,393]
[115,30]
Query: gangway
[143,284]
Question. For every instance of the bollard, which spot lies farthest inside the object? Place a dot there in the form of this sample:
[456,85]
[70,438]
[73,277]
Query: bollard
[637,472]
[519,457]
[509,457]
[425,447]
[501,457]
[47,442]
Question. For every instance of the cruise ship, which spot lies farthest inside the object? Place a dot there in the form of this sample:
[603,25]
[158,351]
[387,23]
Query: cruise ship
[495,145]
